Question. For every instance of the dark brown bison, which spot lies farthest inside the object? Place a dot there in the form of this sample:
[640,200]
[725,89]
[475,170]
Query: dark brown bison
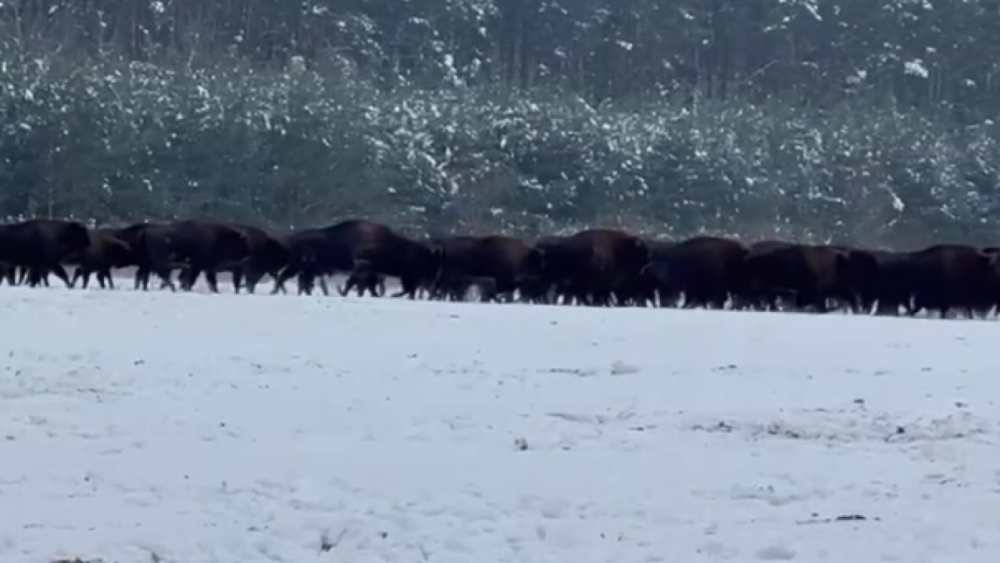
[535,290]
[309,259]
[860,279]
[39,246]
[452,287]
[314,254]
[104,253]
[197,246]
[591,266]
[759,298]
[266,256]
[951,276]
[208,247]
[501,261]
[994,283]
[361,245]
[415,263]
[556,282]
[895,283]
[811,274]
[706,270]
[151,252]
[652,285]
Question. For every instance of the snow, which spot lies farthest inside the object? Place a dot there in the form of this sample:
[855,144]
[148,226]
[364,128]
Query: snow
[194,428]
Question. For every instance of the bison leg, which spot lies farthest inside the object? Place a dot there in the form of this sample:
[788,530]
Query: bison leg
[142,278]
[184,279]
[600,296]
[36,276]
[31,277]
[487,290]
[278,286]
[104,277]
[932,303]
[503,288]
[409,285]
[60,273]
[166,279]
[254,278]
[304,282]
[251,278]
[459,290]
[77,275]
[212,277]
[307,278]
[351,283]
[404,292]
[237,274]
[275,274]
[886,308]
[290,271]
[189,276]
[370,285]
[820,302]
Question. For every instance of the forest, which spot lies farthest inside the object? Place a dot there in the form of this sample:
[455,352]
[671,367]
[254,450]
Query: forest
[831,120]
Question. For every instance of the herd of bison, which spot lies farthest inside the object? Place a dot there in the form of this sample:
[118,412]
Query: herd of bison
[598,267]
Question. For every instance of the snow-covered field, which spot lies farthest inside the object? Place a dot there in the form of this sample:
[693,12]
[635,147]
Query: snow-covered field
[192,428]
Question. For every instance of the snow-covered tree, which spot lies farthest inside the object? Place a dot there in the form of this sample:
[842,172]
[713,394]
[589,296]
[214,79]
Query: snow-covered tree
[833,119]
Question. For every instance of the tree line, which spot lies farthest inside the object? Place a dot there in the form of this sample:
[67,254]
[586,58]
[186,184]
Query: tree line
[836,120]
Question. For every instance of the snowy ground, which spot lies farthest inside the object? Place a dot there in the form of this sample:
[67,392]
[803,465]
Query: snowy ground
[192,428]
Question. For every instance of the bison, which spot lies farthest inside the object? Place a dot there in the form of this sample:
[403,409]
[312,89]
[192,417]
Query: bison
[590,266]
[812,274]
[951,276]
[499,261]
[40,246]
[706,270]
[105,252]
[359,245]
